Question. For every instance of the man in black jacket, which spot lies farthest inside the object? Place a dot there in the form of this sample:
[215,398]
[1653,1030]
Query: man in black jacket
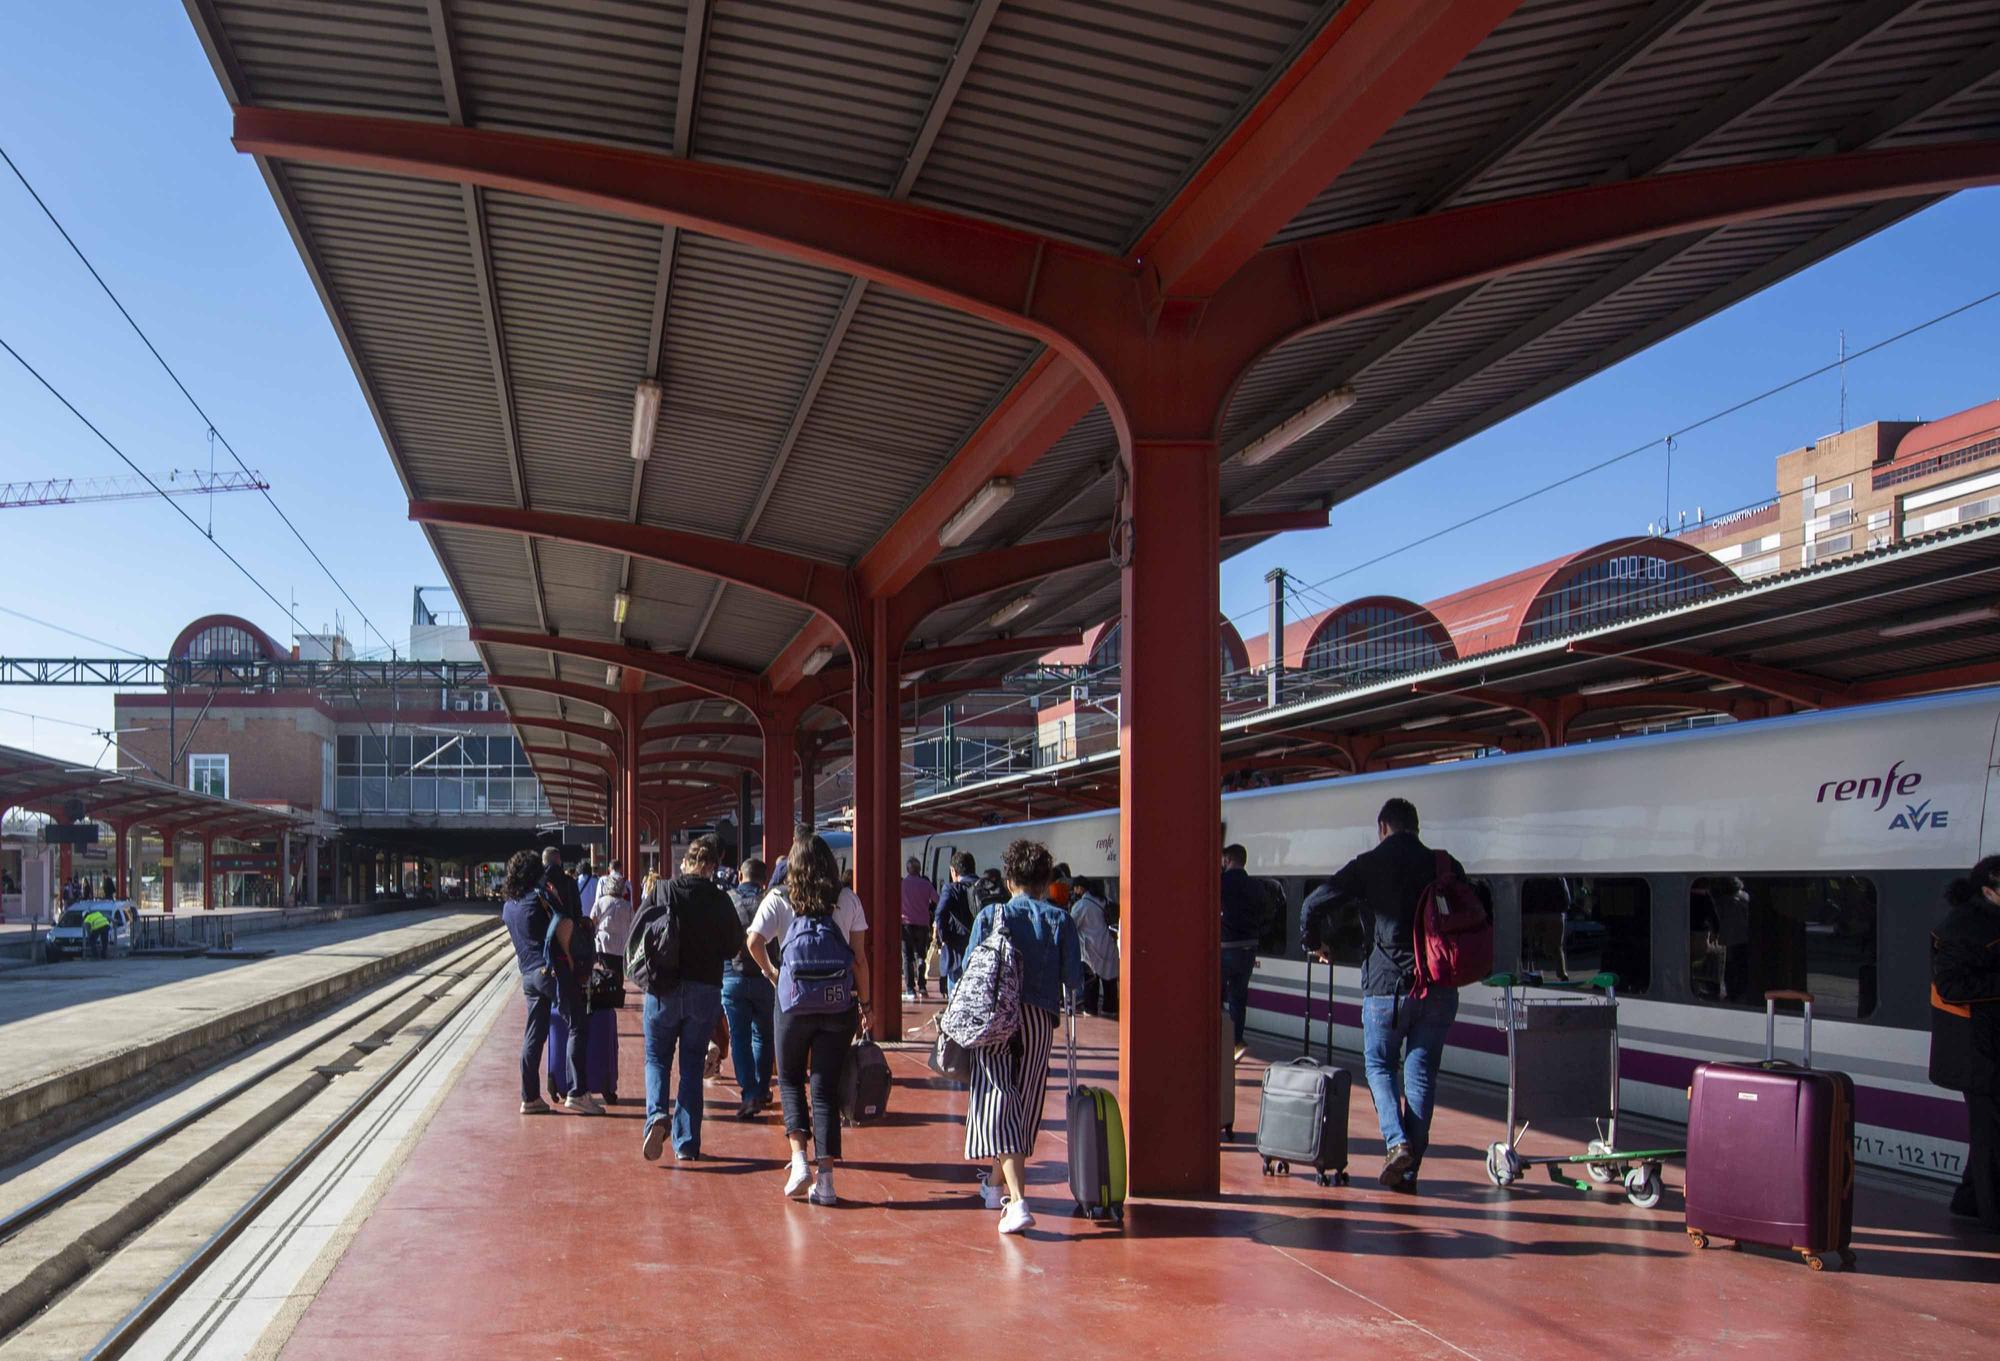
[1402,1037]
[1965,1045]
[1242,920]
[684,998]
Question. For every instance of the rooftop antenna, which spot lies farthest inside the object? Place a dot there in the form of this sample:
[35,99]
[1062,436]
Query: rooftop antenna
[1843,380]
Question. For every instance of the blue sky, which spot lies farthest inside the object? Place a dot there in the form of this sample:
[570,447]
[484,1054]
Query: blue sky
[112,111]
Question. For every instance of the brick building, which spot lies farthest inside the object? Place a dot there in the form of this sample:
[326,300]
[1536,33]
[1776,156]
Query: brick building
[396,784]
[1864,488]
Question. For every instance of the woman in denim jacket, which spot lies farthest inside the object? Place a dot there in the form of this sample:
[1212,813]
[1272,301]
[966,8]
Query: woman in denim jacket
[1004,1112]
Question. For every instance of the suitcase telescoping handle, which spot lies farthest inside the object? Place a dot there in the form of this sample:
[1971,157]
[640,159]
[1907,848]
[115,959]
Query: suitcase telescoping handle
[1069,1039]
[1771,1000]
[1306,1038]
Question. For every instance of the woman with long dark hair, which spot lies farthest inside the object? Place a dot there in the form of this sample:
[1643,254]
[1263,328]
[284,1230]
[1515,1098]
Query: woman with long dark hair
[1965,1029]
[823,987]
[1009,1081]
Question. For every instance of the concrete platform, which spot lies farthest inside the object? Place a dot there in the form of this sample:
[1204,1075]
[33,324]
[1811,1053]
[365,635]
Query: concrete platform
[547,1236]
[76,1032]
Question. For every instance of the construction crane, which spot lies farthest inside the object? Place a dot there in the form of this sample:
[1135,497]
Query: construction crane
[69,491]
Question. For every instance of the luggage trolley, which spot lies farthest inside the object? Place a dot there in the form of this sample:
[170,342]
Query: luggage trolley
[1562,1063]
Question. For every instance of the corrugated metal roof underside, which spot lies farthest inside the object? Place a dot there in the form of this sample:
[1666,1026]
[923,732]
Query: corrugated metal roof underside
[366,56]
[574,301]
[909,383]
[829,89]
[397,256]
[607,71]
[1080,117]
[1521,335]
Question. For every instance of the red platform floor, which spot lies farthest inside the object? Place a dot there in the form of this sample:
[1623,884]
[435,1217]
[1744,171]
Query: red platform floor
[547,1237]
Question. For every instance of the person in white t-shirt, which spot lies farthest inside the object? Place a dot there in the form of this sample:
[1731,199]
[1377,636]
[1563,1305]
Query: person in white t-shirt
[819,1009]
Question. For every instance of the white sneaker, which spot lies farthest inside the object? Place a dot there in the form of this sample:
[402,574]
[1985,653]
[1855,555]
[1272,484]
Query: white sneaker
[909,997]
[993,1197]
[1015,1218]
[583,1103]
[822,1192]
[535,1107]
[801,1175]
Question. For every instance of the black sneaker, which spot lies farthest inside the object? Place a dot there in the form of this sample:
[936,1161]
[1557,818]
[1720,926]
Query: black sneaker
[1397,1165]
[1405,1185]
[1964,1204]
[747,1111]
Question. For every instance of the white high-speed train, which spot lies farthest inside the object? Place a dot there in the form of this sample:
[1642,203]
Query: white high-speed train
[1702,867]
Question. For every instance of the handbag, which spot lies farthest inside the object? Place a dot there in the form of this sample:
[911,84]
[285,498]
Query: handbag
[950,1060]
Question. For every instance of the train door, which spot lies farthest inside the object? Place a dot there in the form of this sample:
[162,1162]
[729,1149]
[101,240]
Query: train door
[938,861]
[1989,821]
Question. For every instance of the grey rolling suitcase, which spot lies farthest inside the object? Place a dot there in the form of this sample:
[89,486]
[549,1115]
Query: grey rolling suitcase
[1302,1112]
[1096,1141]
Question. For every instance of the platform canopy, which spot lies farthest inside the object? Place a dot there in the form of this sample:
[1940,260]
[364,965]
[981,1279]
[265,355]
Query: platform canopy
[924,315]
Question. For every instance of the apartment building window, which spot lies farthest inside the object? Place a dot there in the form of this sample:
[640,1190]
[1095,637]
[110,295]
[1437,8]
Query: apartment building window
[326,774]
[209,775]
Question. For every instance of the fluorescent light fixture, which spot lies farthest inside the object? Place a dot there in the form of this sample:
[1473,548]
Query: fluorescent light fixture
[817,659]
[645,418]
[1436,721]
[621,605]
[1295,427]
[611,675]
[976,512]
[1011,611]
[1936,622]
[1612,687]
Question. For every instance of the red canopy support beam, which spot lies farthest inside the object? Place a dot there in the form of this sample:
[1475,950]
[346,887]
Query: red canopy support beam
[724,682]
[1796,686]
[1931,682]
[819,586]
[601,736]
[1551,715]
[588,758]
[1170,843]
[662,732]
[1011,278]
[1366,68]
[661,760]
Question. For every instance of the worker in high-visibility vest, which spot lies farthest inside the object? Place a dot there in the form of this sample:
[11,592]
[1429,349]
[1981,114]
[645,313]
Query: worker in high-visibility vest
[97,933]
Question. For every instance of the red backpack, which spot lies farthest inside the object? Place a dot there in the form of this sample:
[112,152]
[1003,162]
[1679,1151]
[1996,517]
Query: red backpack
[1454,933]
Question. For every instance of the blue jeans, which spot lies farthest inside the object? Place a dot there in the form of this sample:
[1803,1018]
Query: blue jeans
[681,1019]
[749,1001]
[554,992]
[1402,1040]
[1238,964]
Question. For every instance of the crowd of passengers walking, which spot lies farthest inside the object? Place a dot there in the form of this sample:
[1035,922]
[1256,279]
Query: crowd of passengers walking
[778,969]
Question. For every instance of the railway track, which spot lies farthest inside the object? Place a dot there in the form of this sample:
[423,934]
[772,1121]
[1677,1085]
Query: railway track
[102,1238]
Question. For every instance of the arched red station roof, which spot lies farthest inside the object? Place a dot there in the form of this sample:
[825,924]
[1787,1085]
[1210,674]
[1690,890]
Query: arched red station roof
[1616,579]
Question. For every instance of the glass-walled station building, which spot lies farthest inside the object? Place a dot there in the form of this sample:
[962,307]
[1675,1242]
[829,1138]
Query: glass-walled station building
[406,789]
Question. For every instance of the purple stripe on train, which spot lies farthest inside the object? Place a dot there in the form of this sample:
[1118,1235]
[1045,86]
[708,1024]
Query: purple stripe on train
[1938,1117]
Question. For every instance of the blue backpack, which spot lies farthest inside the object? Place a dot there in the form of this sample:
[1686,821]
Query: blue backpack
[816,968]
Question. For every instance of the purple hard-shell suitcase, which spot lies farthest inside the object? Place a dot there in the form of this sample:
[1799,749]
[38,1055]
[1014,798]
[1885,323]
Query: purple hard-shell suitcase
[1771,1151]
[600,1063]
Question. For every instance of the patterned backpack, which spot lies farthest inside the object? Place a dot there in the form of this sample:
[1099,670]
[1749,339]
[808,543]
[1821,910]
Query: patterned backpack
[985,1007]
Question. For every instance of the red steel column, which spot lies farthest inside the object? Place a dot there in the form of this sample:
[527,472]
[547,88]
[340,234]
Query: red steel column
[167,870]
[878,837]
[781,737]
[624,837]
[1169,853]
[808,753]
[121,830]
[208,872]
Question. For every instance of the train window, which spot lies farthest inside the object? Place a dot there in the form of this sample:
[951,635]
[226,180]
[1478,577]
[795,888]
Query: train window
[1338,928]
[1748,934]
[1576,927]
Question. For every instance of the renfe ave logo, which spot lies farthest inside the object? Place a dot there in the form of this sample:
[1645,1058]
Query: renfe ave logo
[1880,789]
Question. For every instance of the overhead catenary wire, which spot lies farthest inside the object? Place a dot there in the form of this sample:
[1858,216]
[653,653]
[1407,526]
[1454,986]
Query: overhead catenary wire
[43,623]
[108,443]
[214,433]
[1711,418]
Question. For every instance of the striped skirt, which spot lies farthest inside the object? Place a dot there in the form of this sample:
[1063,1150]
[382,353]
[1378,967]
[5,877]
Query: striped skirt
[1004,1113]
